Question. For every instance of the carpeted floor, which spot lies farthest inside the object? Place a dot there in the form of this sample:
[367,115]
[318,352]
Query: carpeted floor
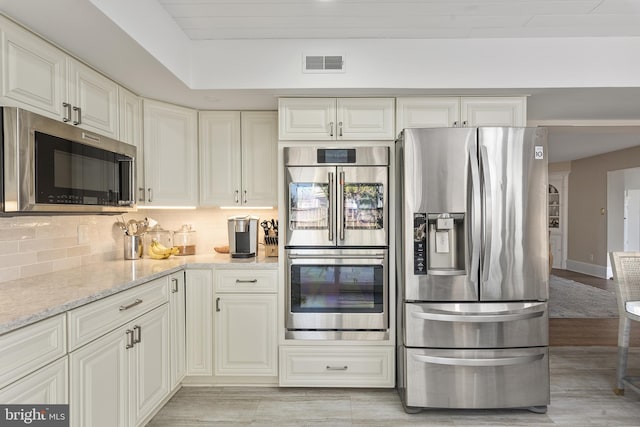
[569,299]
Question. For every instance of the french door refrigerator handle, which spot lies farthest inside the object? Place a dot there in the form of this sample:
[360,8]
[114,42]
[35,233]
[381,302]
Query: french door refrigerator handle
[340,206]
[331,202]
[493,361]
[475,211]
[484,161]
[476,318]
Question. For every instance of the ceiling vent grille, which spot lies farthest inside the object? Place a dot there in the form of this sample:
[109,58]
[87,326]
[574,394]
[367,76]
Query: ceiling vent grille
[323,64]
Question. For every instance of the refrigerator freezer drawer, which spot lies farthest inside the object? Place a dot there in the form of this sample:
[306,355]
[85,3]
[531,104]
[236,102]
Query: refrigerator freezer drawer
[476,325]
[508,378]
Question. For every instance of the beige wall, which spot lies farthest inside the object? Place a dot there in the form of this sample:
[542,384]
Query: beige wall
[559,167]
[33,245]
[587,233]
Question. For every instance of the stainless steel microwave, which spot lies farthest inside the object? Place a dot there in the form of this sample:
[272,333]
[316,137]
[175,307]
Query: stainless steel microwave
[52,167]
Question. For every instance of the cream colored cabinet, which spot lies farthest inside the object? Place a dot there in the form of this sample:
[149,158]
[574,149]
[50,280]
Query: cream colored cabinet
[416,112]
[118,379]
[170,155]
[199,322]
[130,120]
[238,158]
[46,385]
[331,119]
[177,328]
[42,78]
[246,323]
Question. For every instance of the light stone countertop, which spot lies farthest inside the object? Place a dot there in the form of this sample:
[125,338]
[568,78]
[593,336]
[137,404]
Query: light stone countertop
[26,301]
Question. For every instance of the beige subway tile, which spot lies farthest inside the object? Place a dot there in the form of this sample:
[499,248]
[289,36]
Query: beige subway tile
[36,269]
[11,273]
[51,254]
[14,260]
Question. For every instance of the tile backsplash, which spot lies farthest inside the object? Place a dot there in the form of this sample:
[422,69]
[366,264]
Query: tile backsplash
[33,245]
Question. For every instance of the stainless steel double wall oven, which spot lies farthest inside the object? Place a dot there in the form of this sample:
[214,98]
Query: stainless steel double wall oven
[336,242]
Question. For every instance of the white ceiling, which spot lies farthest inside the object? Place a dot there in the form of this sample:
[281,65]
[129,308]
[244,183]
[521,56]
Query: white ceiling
[384,19]
[87,30]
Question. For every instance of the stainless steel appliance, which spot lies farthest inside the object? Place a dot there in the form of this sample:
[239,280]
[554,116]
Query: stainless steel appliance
[51,166]
[472,269]
[336,242]
[243,236]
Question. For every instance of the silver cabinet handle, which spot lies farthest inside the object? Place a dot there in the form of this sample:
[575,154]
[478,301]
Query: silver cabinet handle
[137,334]
[455,124]
[340,128]
[330,128]
[150,194]
[217,304]
[67,107]
[464,124]
[337,368]
[247,281]
[133,304]
[174,287]
[245,197]
[235,197]
[130,341]
[78,111]
[497,361]
[141,190]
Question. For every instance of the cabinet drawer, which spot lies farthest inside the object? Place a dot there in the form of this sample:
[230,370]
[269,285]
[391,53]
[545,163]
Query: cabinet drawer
[337,366]
[27,349]
[90,321]
[250,280]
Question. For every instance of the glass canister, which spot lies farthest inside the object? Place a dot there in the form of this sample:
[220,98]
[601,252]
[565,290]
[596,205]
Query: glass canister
[185,240]
[158,234]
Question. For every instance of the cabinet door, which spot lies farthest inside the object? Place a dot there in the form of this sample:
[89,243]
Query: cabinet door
[434,112]
[34,72]
[220,154]
[246,339]
[94,98]
[493,111]
[177,343]
[199,306]
[149,363]
[46,385]
[130,123]
[170,155]
[365,119]
[260,158]
[99,382]
[307,119]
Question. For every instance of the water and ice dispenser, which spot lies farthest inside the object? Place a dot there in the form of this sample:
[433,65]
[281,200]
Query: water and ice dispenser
[438,243]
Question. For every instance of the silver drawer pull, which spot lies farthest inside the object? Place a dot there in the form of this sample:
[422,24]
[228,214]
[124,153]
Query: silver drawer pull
[493,361]
[133,304]
[447,316]
[337,368]
[247,281]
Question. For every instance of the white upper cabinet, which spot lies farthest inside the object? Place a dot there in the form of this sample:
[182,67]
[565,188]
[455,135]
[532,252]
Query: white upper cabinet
[332,119]
[170,155]
[42,78]
[130,120]
[460,112]
[238,158]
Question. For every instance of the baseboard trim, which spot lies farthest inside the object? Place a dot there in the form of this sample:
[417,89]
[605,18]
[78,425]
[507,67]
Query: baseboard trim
[586,268]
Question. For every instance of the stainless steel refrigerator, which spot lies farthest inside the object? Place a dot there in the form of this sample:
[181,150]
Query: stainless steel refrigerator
[472,272]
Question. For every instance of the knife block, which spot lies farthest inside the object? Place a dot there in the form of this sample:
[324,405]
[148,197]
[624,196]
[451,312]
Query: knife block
[271,246]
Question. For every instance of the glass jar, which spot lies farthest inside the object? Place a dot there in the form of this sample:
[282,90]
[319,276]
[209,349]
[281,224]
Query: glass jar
[185,240]
[158,234]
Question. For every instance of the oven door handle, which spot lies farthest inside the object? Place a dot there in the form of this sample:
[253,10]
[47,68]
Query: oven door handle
[363,256]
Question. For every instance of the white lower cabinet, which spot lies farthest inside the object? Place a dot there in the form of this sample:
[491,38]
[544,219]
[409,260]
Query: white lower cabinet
[246,322]
[246,340]
[46,385]
[118,379]
[177,340]
[337,366]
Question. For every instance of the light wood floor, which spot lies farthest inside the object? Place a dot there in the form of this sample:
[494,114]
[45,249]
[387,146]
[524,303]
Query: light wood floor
[588,332]
[581,395]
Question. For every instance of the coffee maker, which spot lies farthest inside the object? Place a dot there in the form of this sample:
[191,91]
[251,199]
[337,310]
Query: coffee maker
[243,236]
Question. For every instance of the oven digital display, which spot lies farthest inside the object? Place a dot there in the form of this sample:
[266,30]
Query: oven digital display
[336,155]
